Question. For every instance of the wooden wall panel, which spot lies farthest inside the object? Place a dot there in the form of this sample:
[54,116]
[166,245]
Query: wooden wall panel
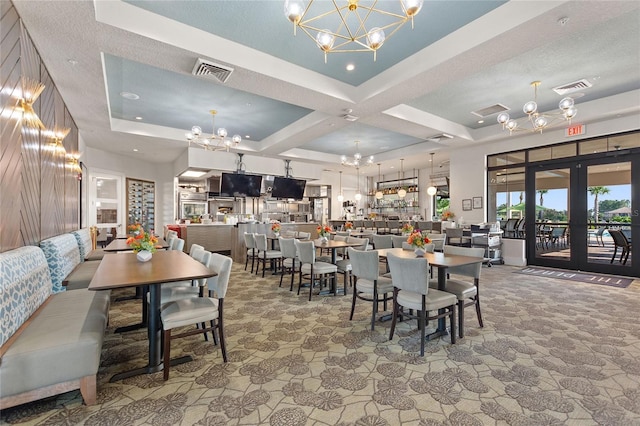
[39,193]
[10,128]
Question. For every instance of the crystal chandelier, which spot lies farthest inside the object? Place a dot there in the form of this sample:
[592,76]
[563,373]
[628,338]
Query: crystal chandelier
[352,33]
[536,121]
[216,141]
[356,161]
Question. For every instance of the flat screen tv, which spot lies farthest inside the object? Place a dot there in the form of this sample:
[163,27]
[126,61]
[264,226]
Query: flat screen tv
[239,185]
[288,188]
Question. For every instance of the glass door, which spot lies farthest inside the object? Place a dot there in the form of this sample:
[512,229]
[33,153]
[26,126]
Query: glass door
[584,214]
[550,213]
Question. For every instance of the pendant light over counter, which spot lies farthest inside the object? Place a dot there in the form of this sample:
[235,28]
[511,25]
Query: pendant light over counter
[431,190]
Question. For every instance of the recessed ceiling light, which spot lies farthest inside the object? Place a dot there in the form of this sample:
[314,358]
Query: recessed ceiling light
[392,167]
[138,118]
[480,121]
[135,149]
[129,95]
[193,173]
[72,61]
[350,67]
[247,136]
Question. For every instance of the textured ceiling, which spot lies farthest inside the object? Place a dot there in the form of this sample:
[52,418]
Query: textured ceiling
[461,56]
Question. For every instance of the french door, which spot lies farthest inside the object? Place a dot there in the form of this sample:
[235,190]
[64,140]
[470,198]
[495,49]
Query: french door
[571,207]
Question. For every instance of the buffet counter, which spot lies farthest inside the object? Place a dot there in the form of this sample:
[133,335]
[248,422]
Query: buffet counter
[214,237]
[238,248]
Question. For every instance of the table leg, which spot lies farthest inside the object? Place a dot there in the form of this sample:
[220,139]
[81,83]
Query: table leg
[442,326]
[143,322]
[154,330]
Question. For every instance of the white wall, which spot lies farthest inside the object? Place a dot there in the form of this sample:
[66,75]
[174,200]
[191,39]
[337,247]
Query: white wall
[134,167]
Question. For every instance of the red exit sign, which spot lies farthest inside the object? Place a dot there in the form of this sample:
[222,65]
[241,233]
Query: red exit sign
[575,130]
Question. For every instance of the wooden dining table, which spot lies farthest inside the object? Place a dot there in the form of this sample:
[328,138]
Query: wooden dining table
[121,245]
[125,270]
[334,245]
[442,261]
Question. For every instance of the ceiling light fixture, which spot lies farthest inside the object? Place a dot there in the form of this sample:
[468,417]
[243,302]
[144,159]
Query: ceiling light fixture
[537,120]
[340,195]
[402,192]
[218,139]
[352,33]
[356,161]
[431,190]
[379,194]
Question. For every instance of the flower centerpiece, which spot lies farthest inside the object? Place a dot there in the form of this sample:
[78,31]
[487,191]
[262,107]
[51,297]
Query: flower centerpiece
[275,227]
[418,240]
[324,231]
[348,226]
[142,243]
[447,215]
[407,229]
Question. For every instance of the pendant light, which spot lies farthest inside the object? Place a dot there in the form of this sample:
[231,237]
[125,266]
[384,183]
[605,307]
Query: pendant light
[402,192]
[340,195]
[431,190]
[358,195]
[379,193]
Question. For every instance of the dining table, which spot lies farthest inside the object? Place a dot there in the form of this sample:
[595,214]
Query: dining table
[121,245]
[125,270]
[442,261]
[334,245]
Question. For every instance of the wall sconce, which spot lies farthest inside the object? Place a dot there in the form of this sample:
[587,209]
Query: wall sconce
[57,135]
[31,89]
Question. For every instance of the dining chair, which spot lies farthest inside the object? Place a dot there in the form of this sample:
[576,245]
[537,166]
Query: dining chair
[438,240]
[170,292]
[177,244]
[289,259]
[399,240]
[265,254]
[344,265]
[198,310]
[455,237]
[393,226]
[368,284]
[309,267]
[411,290]
[250,244]
[620,240]
[467,293]
[303,235]
[381,227]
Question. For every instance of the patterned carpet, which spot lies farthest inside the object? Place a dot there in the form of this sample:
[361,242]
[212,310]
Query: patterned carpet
[552,352]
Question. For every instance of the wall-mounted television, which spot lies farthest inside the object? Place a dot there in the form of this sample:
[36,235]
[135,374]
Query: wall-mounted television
[288,188]
[240,185]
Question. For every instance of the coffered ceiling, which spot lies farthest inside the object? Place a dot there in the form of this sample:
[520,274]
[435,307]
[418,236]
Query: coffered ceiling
[460,57]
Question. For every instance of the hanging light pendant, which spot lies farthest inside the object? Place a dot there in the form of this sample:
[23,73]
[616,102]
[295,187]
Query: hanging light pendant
[379,193]
[431,190]
[402,192]
[358,195]
[340,195]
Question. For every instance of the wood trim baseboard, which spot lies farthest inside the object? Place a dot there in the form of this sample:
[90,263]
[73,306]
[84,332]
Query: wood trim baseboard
[87,386]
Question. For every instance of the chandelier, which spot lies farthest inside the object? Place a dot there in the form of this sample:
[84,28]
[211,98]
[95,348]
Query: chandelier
[356,161]
[536,121]
[352,32]
[217,141]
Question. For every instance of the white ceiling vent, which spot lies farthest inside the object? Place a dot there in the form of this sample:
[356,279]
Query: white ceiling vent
[572,87]
[350,117]
[211,69]
[490,110]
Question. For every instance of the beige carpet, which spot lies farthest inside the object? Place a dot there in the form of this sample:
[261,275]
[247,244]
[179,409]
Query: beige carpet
[552,352]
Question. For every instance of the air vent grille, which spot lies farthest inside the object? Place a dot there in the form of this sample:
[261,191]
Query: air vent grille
[572,87]
[211,69]
[490,110]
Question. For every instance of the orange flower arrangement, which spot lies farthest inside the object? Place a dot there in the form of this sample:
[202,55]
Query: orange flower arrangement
[275,227]
[348,226]
[417,239]
[141,240]
[407,228]
[448,214]
[323,230]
